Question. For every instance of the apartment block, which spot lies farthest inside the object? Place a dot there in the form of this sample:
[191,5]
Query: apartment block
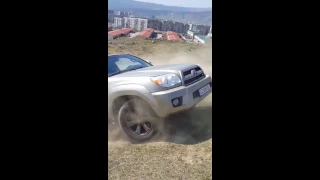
[168,26]
[137,24]
[110,15]
[118,22]
[155,24]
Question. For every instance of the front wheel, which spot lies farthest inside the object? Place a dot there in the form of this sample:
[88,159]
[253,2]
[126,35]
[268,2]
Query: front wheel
[138,121]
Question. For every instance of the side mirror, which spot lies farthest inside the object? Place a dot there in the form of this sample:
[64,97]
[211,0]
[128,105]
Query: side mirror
[149,62]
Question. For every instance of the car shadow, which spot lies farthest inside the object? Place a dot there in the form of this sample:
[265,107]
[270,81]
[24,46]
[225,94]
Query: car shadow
[191,127]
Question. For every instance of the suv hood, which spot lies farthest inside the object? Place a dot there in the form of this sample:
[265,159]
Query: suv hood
[155,70]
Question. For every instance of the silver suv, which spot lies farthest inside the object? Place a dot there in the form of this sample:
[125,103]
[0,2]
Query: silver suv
[140,95]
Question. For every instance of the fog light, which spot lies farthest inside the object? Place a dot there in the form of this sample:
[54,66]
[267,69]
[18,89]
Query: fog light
[175,102]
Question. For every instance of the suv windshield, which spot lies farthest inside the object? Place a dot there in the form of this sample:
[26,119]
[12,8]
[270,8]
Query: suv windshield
[122,63]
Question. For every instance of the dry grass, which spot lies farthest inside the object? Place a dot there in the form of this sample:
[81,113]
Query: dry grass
[184,151]
[140,46]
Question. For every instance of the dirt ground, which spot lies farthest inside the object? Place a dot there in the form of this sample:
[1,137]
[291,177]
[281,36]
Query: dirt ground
[185,151]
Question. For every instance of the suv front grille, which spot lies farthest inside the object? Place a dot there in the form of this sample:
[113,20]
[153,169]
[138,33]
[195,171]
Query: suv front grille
[187,72]
[192,75]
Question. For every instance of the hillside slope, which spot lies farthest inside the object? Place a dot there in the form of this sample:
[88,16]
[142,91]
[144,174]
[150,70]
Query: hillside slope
[185,150]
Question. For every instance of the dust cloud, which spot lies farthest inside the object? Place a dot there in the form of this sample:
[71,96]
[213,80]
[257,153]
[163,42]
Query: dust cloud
[201,56]
[190,127]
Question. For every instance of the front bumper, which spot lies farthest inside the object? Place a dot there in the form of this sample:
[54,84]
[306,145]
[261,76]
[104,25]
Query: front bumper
[161,102]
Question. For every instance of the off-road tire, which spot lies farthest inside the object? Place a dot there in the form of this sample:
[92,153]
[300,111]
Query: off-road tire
[139,107]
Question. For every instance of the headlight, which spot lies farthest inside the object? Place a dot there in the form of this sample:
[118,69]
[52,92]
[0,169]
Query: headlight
[168,80]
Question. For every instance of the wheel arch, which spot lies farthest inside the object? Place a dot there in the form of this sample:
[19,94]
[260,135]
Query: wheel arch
[122,94]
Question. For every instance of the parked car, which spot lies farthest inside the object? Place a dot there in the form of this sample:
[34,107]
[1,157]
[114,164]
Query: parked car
[140,95]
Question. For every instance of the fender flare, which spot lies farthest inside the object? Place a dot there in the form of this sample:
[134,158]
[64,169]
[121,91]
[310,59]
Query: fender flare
[127,90]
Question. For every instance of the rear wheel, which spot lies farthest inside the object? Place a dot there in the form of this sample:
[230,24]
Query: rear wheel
[138,121]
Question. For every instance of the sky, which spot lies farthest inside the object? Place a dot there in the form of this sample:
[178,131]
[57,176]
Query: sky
[183,3]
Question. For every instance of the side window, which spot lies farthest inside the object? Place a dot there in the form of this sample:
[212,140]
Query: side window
[123,63]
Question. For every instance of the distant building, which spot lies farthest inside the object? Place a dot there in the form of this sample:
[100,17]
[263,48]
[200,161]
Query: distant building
[118,22]
[167,26]
[154,24]
[171,26]
[173,36]
[201,29]
[138,24]
[110,16]
[202,39]
[109,27]
[123,20]
[186,28]
[122,14]
[190,26]
[147,33]
[193,27]
[119,33]
[125,14]
[191,33]
[178,27]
